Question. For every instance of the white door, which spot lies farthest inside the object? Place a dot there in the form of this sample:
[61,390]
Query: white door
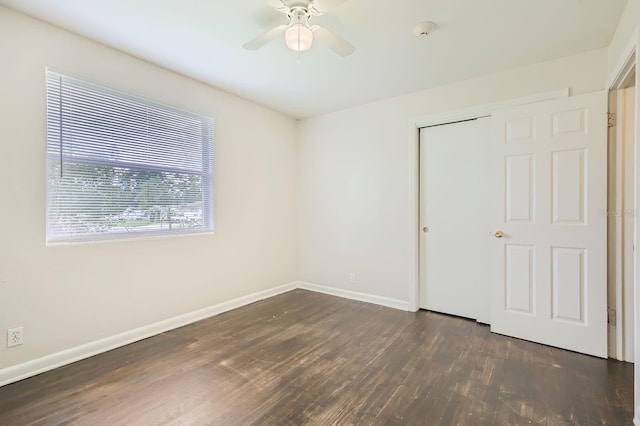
[454,167]
[551,187]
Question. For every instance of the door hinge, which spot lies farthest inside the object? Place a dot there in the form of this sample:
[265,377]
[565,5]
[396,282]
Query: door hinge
[611,119]
[611,316]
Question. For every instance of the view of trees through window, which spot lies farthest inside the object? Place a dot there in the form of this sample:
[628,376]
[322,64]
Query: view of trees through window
[97,199]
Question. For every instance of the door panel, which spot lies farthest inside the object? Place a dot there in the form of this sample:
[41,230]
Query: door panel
[568,284]
[520,278]
[550,265]
[520,202]
[569,168]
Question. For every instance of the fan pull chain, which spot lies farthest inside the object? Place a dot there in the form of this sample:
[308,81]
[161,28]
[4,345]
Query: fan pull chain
[298,40]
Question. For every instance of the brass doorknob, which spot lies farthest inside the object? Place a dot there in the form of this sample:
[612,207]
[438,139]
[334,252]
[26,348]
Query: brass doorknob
[498,234]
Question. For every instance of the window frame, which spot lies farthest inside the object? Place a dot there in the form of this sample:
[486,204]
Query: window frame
[207,173]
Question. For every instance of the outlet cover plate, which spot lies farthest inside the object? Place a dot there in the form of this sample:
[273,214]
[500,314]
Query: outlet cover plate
[14,337]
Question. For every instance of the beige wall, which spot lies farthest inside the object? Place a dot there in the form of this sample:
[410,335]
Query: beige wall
[355,168]
[65,296]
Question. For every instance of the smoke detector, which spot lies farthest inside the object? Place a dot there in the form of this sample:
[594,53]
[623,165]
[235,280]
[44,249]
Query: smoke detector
[423,29]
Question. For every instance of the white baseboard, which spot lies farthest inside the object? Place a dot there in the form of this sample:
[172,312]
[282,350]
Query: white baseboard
[49,362]
[353,295]
[68,356]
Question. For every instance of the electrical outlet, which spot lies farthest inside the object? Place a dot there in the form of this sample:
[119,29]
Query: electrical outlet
[352,278]
[14,337]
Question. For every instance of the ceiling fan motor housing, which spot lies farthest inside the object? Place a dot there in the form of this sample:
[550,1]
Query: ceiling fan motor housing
[299,15]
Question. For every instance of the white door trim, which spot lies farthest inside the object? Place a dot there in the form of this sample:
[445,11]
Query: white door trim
[629,60]
[414,165]
[626,63]
[615,249]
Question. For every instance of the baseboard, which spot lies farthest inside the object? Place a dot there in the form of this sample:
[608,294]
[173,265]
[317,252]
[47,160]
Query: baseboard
[49,362]
[353,295]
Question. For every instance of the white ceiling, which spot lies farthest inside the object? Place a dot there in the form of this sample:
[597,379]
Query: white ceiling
[203,39]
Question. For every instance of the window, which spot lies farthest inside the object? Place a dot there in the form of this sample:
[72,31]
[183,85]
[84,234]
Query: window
[119,165]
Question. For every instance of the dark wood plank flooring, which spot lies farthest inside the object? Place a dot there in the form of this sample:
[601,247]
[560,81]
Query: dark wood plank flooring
[307,358]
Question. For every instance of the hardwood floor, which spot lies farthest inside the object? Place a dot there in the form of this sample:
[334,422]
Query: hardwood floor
[308,358]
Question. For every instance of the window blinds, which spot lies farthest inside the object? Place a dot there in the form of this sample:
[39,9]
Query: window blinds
[121,165]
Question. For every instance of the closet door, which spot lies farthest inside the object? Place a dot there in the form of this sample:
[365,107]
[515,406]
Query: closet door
[455,240]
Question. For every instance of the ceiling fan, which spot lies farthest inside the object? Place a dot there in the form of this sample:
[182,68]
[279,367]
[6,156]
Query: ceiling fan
[298,34]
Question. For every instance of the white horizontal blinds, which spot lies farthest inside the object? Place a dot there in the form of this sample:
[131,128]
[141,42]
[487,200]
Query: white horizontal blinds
[118,164]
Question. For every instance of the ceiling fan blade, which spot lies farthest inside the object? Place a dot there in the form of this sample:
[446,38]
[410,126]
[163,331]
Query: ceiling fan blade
[332,41]
[326,5]
[279,5]
[265,38]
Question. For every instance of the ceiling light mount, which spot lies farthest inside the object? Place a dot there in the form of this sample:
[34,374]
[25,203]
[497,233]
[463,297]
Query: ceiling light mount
[423,29]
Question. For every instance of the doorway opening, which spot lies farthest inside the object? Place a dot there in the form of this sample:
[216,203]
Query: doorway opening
[621,217]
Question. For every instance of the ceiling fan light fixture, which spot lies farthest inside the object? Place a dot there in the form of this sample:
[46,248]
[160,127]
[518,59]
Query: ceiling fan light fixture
[298,37]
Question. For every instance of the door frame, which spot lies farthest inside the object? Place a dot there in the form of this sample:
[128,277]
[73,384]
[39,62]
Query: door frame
[628,62]
[617,279]
[448,117]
